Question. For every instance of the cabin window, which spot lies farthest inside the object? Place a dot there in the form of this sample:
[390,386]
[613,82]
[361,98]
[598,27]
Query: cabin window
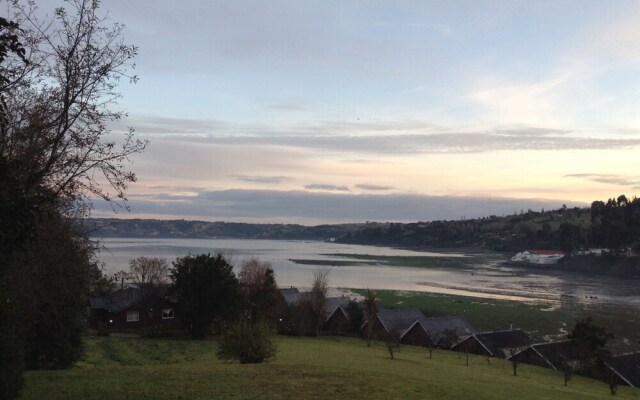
[167,313]
[133,316]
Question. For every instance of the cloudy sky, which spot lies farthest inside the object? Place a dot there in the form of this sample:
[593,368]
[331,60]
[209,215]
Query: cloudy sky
[332,111]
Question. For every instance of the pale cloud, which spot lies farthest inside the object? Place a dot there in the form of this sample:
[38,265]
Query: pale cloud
[374,188]
[615,40]
[461,142]
[587,83]
[373,137]
[312,207]
[262,179]
[327,187]
[522,103]
[381,97]
[618,180]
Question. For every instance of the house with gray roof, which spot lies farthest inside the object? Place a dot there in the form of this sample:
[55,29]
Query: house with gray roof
[290,296]
[127,310]
[333,303]
[626,368]
[437,331]
[393,322]
[500,344]
[554,355]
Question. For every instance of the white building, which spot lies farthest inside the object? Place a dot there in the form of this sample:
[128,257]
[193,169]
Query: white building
[539,257]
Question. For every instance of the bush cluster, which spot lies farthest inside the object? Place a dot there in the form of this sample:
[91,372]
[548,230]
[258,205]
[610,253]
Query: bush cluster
[247,341]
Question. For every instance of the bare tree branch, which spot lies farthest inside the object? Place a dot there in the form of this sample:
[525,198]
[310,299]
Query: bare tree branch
[57,109]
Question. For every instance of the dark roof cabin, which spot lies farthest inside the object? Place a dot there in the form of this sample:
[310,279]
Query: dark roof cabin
[500,344]
[295,310]
[288,298]
[394,322]
[553,355]
[417,335]
[116,301]
[626,368]
[338,321]
[434,332]
[128,311]
[336,311]
[332,303]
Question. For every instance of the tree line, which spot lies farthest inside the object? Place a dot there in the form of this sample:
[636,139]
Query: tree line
[614,225]
[211,300]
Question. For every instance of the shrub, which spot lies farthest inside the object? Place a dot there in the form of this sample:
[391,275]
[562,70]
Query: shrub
[247,341]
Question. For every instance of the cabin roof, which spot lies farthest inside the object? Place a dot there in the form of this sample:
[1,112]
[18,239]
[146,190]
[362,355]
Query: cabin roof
[332,304]
[338,309]
[554,353]
[627,367]
[496,342]
[117,301]
[437,328]
[399,319]
[291,295]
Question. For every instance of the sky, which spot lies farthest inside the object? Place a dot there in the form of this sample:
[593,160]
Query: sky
[346,111]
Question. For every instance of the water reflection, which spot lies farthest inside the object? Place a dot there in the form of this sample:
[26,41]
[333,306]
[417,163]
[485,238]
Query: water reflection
[485,279]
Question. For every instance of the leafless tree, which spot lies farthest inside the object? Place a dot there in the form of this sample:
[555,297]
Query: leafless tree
[392,342]
[514,360]
[567,370]
[319,289]
[612,380]
[58,106]
[150,274]
[372,310]
[119,278]
[430,350]
[453,338]
[258,286]
[253,271]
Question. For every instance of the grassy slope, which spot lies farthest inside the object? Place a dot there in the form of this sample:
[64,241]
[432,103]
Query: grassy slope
[118,368]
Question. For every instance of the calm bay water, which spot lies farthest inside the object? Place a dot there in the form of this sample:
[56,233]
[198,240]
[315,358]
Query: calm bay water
[482,279]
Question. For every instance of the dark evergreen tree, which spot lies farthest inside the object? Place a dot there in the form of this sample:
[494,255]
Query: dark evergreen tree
[208,291]
[56,278]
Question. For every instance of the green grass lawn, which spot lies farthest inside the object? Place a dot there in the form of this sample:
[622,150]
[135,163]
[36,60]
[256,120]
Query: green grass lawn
[305,368]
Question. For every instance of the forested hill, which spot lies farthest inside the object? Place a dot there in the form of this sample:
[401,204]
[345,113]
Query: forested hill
[614,224]
[154,228]
[555,229]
